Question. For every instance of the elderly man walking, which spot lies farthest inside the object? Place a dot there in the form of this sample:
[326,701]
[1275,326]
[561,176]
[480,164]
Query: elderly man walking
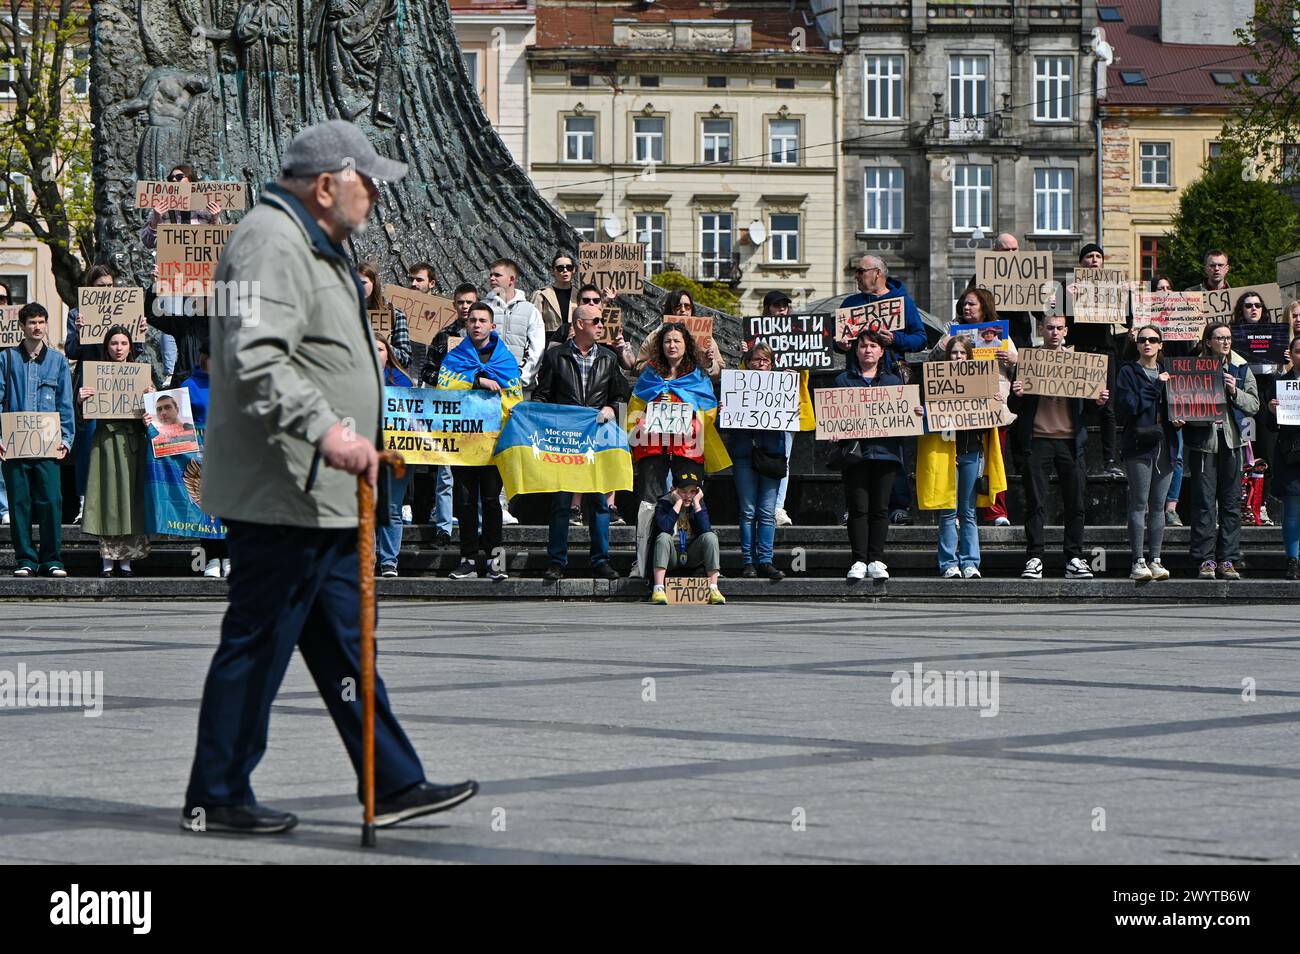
[293,419]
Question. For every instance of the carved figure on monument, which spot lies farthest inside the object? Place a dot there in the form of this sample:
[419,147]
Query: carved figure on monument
[349,43]
[166,96]
[264,31]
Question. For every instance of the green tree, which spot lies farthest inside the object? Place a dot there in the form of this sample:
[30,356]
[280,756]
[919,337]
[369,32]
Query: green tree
[1250,220]
[1268,106]
[45,136]
[715,296]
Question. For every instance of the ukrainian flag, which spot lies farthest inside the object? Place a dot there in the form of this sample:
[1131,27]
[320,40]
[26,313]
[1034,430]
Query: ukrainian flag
[545,448]
[694,389]
[462,367]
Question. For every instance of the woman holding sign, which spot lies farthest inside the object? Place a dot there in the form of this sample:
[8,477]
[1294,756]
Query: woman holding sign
[1149,449]
[758,459]
[114,509]
[389,536]
[1286,472]
[1249,310]
[869,465]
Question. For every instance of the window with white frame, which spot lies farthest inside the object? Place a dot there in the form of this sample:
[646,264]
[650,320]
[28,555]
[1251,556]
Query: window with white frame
[783,142]
[648,138]
[12,185]
[968,86]
[972,198]
[81,66]
[1153,158]
[650,233]
[469,59]
[715,245]
[579,138]
[882,87]
[584,223]
[882,199]
[783,243]
[1053,201]
[1053,89]
[8,79]
[716,136]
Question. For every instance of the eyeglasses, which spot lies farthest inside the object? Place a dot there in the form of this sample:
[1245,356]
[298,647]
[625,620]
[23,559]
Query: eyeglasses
[1221,338]
[176,177]
[1148,341]
[564,268]
[590,301]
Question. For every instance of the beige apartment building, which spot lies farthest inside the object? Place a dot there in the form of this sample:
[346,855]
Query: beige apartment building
[709,135]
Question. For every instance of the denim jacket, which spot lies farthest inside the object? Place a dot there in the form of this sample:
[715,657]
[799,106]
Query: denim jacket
[37,383]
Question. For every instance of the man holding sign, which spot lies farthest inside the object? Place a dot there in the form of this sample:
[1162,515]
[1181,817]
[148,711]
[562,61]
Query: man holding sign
[34,379]
[1054,436]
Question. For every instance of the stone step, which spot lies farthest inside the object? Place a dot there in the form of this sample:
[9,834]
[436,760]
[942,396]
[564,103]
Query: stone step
[902,588]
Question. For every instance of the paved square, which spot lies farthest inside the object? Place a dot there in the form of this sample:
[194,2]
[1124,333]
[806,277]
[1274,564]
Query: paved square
[771,736]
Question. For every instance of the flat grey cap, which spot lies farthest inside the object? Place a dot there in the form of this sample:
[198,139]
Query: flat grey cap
[336,145]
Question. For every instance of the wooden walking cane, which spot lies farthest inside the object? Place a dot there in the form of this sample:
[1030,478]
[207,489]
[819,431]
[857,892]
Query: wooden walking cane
[366,551]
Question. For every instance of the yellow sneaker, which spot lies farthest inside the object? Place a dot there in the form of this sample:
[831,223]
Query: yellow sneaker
[659,598]
[715,597]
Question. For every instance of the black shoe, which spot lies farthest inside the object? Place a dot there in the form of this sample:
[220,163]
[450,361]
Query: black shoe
[603,571]
[465,571]
[614,519]
[771,572]
[1292,569]
[575,516]
[748,572]
[423,799]
[553,574]
[441,538]
[900,518]
[105,573]
[241,819]
[1112,469]
[125,574]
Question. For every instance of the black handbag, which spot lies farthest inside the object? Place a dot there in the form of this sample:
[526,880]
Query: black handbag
[1148,438]
[767,463]
[844,455]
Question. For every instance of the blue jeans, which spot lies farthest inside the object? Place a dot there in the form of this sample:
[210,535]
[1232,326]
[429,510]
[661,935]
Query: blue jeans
[1291,526]
[81,444]
[969,467]
[756,495]
[1176,484]
[290,587]
[167,348]
[596,509]
[4,496]
[785,481]
[442,505]
[388,540]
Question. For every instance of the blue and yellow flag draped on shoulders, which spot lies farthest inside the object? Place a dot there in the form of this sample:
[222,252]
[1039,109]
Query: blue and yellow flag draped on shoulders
[545,448]
[463,365]
[171,498]
[694,389]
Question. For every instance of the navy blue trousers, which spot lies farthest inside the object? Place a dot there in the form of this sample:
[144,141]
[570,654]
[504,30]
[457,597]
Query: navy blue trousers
[289,586]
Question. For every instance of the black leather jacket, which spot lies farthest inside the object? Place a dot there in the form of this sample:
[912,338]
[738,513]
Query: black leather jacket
[559,381]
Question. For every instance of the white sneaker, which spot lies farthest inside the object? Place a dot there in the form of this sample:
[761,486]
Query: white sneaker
[783,518]
[213,570]
[1033,569]
[1001,522]
[407,515]
[1158,571]
[4,519]
[877,570]
[971,573]
[952,573]
[1076,569]
[507,518]
[858,571]
[225,568]
[1141,573]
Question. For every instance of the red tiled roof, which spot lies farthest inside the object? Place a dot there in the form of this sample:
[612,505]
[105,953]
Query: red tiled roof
[591,24]
[1177,74]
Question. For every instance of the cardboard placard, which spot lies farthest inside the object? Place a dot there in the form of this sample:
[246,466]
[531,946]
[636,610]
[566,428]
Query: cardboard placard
[101,308]
[1261,343]
[11,333]
[1195,389]
[430,426]
[381,321]
[1018,281]
[798,342]
[171,431]
[1288,401]
[887,314]
[962,395]
[1062,373]
[701,329]
[613,325]
[987,338]
[426,314]
[1099,296]
[687,590]
[31,434]
[849,413]
[162,197]
[119,388]
[187,257]
[759,400]
[1220,303]
[1178,315]
[617,266]
[231,196]
[669,418]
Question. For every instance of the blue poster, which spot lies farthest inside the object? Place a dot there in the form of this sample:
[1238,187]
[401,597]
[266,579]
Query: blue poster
[171,498]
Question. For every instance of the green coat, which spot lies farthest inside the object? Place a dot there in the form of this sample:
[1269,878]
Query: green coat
[115,485]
